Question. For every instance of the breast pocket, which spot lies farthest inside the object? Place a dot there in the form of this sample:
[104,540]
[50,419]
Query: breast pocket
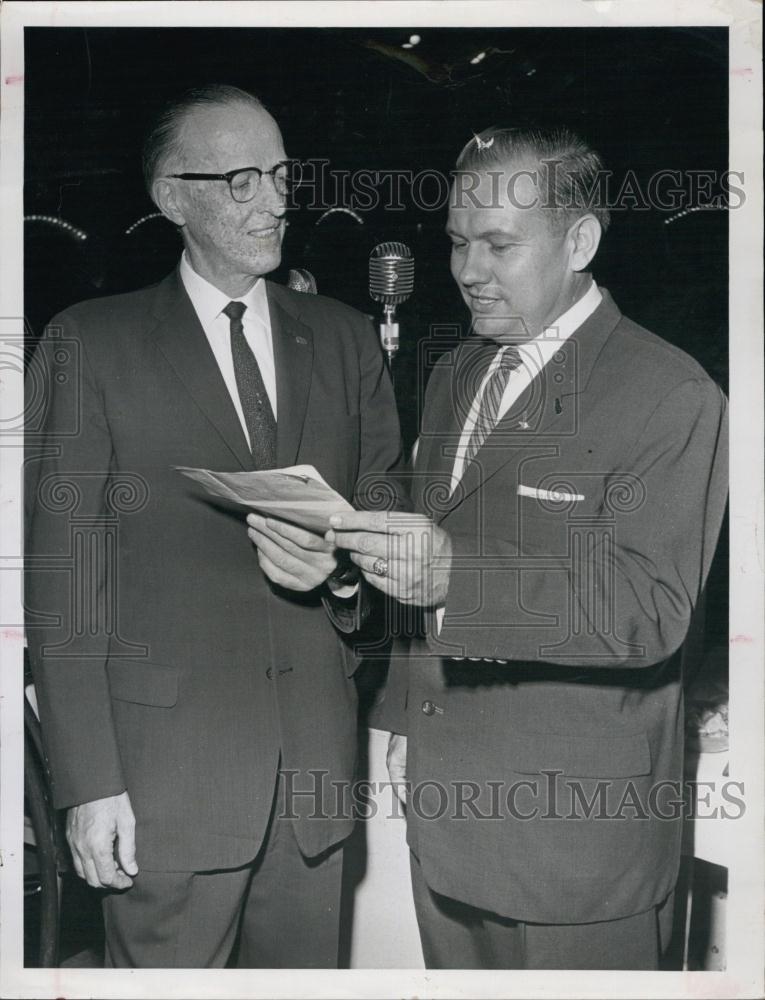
[581,756]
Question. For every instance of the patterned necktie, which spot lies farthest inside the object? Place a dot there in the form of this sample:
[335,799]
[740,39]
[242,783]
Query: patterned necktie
[488,408]
[258,415]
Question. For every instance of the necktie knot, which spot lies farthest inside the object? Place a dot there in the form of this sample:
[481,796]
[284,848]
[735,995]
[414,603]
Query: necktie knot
[235,311]
[511,359]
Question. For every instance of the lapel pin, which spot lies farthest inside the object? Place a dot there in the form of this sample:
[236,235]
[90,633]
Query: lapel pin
[523,425]
[301,340]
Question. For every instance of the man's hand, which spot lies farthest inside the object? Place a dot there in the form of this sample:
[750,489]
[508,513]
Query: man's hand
[414,553]
[290,556]
[396,761]
[94,831]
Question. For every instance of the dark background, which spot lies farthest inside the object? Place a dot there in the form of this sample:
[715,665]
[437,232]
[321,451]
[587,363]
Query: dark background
[647,99]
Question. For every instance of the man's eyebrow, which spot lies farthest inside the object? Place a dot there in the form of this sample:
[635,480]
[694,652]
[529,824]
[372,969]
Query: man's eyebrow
[488,234]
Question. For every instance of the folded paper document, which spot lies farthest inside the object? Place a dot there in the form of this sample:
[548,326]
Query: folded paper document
[297,494]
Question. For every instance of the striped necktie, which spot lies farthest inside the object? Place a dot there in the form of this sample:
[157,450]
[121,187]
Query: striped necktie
[491,399]
[256,406]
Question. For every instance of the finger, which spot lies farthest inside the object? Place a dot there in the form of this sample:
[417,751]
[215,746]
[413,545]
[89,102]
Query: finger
[126,849]
[274,544]
[279,576]
[105,865]
[92,876]
[108,872]
[301,537]
[374,544]
[256,521]
[120,880]
[388,522]
[276,553]
[301,545]
[256,536]
[381,583]
[273,570]
[360,520]
[76,860]
[367,565]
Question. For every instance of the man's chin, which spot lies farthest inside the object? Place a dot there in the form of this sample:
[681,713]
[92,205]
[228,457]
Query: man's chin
[500,328]
[265,262]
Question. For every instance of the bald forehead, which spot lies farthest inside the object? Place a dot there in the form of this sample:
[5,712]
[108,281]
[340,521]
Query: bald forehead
[509,196]
[212,133]
[514,184]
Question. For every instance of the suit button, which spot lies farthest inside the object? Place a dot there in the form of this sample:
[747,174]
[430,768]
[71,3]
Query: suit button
[269,673]
[428,708]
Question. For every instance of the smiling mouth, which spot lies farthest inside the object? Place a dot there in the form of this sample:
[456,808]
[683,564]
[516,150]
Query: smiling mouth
[482,303]
[265,233]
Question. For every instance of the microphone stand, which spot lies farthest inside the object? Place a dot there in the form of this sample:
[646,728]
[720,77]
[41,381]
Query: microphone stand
[389,335]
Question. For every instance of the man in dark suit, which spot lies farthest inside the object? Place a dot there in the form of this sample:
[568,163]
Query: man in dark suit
[569,488]
[196,714]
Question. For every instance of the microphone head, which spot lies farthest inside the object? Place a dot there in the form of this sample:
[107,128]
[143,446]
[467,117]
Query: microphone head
[300,280]
[391,273]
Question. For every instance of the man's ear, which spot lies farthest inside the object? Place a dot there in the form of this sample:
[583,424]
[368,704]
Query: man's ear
[584,236]
[165,195]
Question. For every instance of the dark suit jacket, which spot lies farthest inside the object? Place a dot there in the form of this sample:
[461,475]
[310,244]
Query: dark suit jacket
[589,601]
[164,661]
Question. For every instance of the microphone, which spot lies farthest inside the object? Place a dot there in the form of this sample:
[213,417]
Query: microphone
[300,280]
[391,281]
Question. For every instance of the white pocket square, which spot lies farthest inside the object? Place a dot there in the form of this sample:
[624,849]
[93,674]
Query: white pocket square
[557,496]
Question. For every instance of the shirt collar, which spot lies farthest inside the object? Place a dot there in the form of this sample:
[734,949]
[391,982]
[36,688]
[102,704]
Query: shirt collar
[209,301]
[572,318]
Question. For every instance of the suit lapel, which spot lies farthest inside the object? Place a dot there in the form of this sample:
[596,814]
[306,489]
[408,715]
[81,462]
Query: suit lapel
[293,357]
[179,336]
[451,390]
[546,405]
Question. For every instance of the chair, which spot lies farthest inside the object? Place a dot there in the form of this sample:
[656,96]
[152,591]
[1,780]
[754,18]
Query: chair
[47,826]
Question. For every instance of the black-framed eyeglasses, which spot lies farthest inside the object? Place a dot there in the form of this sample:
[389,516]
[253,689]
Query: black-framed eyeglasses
[243,183]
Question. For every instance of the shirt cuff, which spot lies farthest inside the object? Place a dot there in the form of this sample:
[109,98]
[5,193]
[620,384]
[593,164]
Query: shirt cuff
[343,590]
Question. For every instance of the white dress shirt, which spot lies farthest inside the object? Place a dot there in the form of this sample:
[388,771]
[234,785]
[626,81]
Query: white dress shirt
[534,354]
[209,303]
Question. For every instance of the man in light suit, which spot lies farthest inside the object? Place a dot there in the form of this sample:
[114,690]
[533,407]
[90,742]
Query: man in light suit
[194,711]
[569,488]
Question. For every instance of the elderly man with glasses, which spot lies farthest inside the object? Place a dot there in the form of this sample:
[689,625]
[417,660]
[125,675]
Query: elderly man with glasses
[196,695]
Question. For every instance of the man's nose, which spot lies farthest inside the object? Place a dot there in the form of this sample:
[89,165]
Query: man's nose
[269,199]
[473,269]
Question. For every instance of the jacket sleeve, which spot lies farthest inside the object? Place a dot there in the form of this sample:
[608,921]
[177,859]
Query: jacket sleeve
[389,713]
[68,460]
[627,598]
[379,484]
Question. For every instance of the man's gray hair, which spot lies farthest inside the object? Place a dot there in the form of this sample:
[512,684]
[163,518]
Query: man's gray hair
[164,138]
[571,178]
